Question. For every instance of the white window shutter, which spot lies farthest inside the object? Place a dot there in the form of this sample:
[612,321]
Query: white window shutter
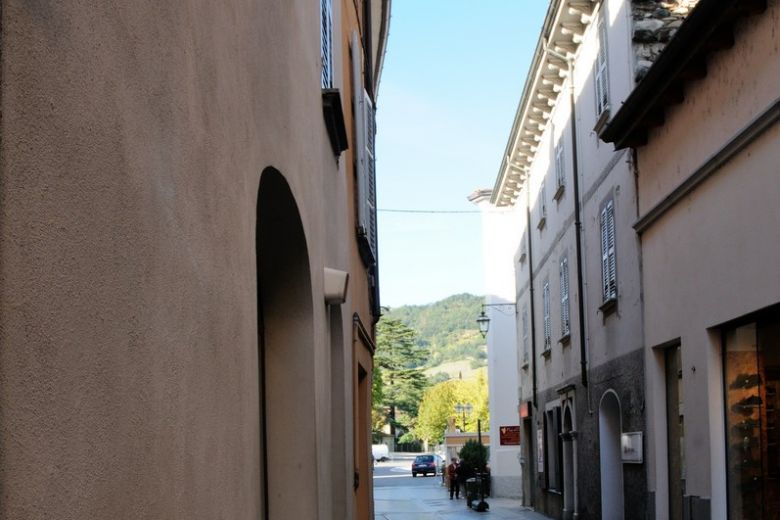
[611,250]
[326,43]
[604,255]
[370,171]
[564,274]
[546,307]
[358,105]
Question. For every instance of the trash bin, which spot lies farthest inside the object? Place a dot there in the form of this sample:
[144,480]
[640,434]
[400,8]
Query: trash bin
[473,486]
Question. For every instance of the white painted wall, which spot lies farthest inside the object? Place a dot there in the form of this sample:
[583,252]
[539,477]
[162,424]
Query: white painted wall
[501,235]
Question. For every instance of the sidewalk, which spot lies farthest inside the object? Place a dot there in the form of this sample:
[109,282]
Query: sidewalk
[432,503]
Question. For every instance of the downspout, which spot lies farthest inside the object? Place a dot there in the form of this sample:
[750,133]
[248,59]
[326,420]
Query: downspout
[578,231]
[531,290]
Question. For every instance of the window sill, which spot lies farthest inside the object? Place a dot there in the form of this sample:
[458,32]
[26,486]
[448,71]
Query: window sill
[601,122]
[542,222]
[334,120]
[559,192]
[608,307]
[524,366]
[565,339]
[546,353]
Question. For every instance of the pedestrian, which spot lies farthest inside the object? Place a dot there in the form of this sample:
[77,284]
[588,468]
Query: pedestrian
[452,477]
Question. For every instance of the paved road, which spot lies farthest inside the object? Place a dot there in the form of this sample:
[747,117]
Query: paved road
[399,496]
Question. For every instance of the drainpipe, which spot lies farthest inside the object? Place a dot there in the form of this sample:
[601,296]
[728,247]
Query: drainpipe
[531,290]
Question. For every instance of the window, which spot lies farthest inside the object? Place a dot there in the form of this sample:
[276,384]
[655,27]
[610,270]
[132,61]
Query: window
[525,335]
[601,77]
[553,448]
[752,409]
[365,130]
[542,207]
[546,306]
[560,169]
[608,262]
[565,328]
[326,43]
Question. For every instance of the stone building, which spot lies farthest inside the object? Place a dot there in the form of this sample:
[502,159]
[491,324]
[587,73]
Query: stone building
[578,292]
[704,124]
[188,258]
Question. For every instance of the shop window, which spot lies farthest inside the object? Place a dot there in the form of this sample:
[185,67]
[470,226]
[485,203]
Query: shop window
[752,380]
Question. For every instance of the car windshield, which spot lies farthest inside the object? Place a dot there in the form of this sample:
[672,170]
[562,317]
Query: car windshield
[424,458]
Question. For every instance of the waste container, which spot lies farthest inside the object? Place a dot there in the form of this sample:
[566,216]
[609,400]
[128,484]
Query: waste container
[474,497]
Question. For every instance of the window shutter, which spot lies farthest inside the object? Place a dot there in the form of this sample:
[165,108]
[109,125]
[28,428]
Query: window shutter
[560,171]
[358,102]
[525,334]
[601,79]
[365,133]
[611,250]
[326,43]
[370,166]
[604,255]
[564,296]
[546,306]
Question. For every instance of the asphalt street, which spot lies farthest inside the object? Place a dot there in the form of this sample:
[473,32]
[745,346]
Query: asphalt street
[399,496]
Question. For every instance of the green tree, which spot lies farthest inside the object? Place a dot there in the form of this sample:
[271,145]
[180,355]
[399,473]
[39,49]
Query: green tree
[438,407]
[399,358]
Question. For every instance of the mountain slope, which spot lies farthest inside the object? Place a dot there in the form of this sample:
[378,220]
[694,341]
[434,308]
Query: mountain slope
[447,328]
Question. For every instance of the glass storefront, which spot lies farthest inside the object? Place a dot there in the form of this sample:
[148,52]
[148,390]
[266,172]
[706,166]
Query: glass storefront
[752,383]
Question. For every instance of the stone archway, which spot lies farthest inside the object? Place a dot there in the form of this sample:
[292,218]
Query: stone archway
[610,457]
[286,355]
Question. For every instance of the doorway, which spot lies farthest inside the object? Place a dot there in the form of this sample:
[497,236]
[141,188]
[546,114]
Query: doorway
[285,355]
[610,457]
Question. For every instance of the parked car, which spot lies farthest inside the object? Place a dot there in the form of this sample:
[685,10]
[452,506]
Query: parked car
[425,464]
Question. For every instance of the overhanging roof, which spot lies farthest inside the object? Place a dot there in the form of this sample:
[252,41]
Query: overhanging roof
[709,28]
[562,32]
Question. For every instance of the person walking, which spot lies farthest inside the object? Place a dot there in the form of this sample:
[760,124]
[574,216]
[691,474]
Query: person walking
[452,477]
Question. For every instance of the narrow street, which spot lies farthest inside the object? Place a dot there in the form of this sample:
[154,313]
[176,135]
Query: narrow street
[399,496]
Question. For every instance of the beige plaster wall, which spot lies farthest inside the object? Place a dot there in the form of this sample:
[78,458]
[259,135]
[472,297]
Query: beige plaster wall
[741,83]
[133,138]
[713,256]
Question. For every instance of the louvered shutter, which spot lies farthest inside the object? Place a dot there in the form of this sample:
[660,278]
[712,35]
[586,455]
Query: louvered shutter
[358,104]
[546,306]
[560,170]
[602,82]
[370,192]
[604,255]
[326,43]
[525,334]
[564,274]
[611,250]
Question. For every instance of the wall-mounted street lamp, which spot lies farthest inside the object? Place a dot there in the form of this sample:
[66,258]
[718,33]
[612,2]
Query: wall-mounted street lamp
[484,321]
[464,409]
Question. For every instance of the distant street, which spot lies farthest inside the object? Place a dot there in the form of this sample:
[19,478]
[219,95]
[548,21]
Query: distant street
[399,496]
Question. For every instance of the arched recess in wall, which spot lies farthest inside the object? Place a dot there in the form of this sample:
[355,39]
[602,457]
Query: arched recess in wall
[568,464]
[610,427]
[286,355]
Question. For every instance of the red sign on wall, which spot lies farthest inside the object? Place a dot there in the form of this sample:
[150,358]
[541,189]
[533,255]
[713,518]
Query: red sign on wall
[510,435]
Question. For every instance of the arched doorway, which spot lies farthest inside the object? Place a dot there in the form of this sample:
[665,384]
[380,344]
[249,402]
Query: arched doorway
[286,357]
[611,462]
[568,465]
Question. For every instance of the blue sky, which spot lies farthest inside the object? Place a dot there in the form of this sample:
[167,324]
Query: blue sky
[453,75]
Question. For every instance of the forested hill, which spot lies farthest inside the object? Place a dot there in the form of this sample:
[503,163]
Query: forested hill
[448,328]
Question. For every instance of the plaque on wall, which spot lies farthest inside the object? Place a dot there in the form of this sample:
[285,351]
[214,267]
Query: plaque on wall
[631,447]
[509,435]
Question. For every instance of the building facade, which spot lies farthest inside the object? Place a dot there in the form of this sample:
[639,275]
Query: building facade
[578,290]
[704,123]
[500,239]
[188,258]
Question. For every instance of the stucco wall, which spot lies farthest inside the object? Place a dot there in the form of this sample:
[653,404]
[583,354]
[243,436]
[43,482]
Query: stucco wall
[711,258]
[133,138]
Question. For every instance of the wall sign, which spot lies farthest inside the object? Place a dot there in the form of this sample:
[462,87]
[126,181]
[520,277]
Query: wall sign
[631,447]
[509,435]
